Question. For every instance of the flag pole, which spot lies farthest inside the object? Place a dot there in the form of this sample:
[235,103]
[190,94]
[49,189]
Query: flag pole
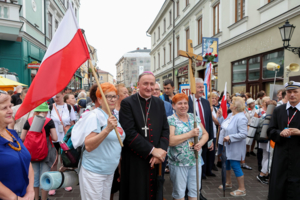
[99,86]
[104,99]
[210,86]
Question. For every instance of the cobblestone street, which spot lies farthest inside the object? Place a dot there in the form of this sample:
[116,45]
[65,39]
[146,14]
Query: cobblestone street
[255,190]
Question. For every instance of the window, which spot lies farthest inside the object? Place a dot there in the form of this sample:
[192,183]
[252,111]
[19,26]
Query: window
[276,57]
[254,68]
[177,5]
[154,63]
[200,31]
[170,46]
[239,71]
[154,38]
[164,56]
[187,36]
[56,25]
[165,25]
[72,5]
[186,2]
[67,3]
[158,57]
[50,25]
[251,74]
[177,42]
[170,17]
[158,33]
[239,10]
[101,78]
[216,19]
[75,12]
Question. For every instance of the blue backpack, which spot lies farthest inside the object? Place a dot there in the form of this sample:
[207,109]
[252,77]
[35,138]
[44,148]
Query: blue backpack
[72,156]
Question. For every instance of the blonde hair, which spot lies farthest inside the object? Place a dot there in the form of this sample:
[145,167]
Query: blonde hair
[264,100]
[238,103]
[213,95]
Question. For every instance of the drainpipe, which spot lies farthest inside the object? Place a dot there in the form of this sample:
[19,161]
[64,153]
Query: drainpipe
[173,41]
[45,22]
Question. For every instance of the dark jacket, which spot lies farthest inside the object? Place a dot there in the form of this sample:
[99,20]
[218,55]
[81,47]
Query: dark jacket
[207,115]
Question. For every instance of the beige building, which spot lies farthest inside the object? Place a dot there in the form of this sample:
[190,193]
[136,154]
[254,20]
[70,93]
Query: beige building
[105,76]
[248,36]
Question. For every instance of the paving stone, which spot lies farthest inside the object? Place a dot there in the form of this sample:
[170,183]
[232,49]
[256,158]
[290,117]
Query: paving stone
[255,190]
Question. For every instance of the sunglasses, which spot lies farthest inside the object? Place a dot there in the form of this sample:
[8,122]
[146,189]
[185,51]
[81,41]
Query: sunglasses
[2,92]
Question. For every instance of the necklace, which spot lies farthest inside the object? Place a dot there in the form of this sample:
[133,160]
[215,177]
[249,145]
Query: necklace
[10,143]
[145,128]
[189,126]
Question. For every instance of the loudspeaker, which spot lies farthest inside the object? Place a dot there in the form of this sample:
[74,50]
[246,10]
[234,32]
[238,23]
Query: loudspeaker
[293,67]
[271,66]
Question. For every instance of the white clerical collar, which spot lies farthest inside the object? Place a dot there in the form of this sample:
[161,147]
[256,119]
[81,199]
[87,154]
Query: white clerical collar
[144,98]
[288,105]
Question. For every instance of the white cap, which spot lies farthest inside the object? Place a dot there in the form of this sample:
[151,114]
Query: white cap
[292,85]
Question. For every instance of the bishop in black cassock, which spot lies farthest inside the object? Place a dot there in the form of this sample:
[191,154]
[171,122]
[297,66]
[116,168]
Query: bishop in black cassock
[138,179]
[285,169]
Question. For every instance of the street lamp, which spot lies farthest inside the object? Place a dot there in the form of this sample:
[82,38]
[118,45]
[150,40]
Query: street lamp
[286,32]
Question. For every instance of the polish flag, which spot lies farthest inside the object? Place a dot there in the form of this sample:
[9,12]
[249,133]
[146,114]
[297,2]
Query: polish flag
[224,103]
[66,53]
[208,75]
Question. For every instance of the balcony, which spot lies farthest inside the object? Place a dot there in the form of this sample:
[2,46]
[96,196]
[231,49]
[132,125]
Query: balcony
[9,20]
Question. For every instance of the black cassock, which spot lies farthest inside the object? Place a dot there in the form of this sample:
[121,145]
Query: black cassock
[285,170]
[138,180]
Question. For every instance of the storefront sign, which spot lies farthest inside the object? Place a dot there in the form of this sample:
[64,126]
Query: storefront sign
[167,76]
[182,70]
[185,88]
[33,65]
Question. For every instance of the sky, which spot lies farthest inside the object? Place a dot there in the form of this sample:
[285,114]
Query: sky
[115,27]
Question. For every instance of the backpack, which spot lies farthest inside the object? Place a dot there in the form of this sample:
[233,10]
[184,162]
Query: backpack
[69,108]
[72,156]
[36,142]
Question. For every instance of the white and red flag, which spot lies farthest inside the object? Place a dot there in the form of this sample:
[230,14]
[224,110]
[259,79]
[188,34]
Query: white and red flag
[66,53]
[208,75]
[224,102]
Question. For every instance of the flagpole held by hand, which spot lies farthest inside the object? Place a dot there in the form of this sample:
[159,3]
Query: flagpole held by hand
[104,99]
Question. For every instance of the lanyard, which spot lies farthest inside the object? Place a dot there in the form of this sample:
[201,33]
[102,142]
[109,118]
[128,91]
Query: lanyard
[289,121]
[184,122]
[60,117]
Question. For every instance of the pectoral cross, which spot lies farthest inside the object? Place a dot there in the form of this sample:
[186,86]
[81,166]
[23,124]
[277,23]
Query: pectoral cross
[146,129]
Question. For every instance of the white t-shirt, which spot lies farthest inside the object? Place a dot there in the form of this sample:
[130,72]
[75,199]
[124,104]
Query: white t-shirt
[66,117]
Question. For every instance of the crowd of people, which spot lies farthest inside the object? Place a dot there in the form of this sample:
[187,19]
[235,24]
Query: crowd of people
[157,127]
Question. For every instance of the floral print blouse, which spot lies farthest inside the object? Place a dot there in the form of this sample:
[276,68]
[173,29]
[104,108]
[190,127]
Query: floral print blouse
[181,155]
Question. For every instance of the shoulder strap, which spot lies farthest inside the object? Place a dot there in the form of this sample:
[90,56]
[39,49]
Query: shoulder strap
[57,113]
[30,120]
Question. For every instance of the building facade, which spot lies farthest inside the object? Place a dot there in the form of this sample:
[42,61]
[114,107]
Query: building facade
[105,76]
[248,36]
[131,65]
[26,29]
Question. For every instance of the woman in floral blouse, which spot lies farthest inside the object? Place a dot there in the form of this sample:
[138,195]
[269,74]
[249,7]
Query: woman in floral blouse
[182,161]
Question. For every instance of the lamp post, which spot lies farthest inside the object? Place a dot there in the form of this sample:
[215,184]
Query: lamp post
[286,32]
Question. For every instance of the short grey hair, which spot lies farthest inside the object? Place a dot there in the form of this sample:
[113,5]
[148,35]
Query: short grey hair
[82,94]
[199,80]
[157,84]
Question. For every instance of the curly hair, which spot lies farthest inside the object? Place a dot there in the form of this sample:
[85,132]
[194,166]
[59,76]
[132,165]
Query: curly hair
[106,87]
[179,97]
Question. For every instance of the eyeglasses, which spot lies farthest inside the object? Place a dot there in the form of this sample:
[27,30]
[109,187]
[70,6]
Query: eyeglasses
[157,89]
[111,97]
[2,92]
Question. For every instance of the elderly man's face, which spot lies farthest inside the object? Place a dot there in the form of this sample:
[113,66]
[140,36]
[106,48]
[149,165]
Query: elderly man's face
[156,91]
[199,90]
